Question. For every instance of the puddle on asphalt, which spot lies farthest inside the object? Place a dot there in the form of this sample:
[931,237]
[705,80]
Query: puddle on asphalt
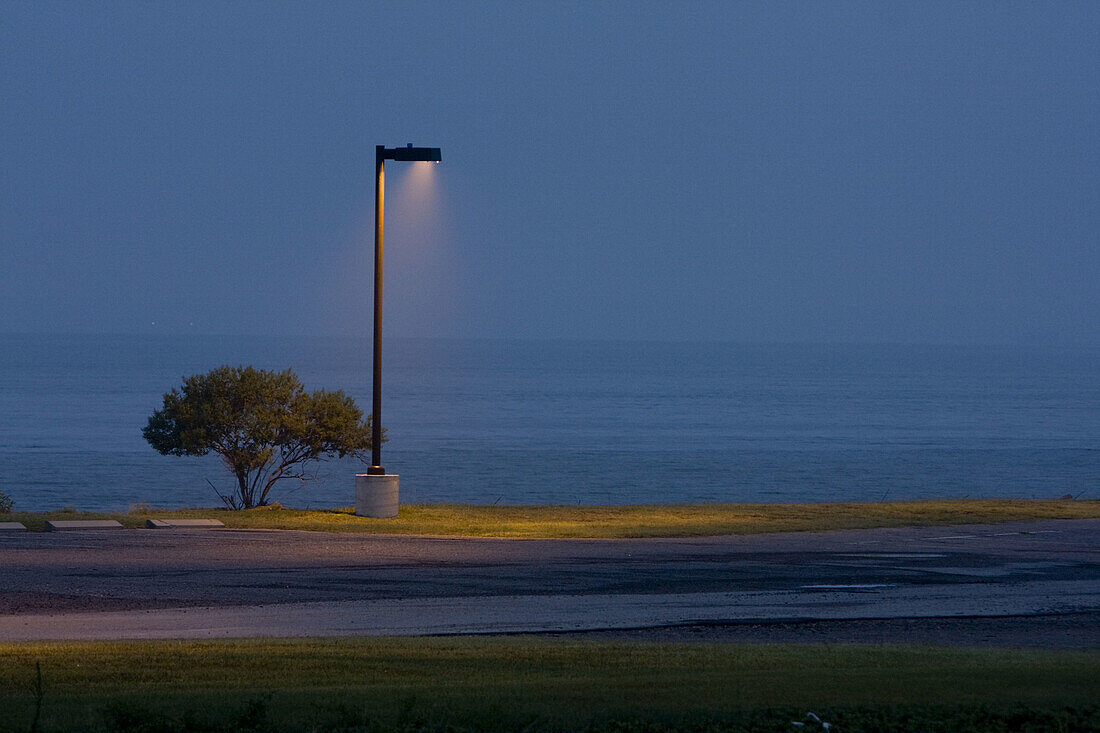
[894,555]
[995,572]
[848,586]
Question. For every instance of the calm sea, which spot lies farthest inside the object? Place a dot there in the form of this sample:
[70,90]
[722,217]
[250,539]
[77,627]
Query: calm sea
[516,422]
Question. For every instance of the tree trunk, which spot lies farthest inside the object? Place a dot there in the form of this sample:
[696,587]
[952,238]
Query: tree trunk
[242,487]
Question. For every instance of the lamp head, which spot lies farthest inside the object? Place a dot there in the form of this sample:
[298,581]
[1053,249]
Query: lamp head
[410,153]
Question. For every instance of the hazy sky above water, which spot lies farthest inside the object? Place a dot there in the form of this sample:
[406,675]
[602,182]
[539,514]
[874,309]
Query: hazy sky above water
[904,172]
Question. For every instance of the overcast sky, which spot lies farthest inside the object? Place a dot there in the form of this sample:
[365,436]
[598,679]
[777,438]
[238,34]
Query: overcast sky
[827,171]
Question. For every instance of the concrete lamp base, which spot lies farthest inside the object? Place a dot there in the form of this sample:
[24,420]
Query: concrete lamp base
[376,496]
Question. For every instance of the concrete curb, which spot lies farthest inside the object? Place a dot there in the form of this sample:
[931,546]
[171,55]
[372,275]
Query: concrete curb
[183,524]
[66,524]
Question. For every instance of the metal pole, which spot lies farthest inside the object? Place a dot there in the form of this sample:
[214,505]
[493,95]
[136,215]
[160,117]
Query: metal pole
[376,406]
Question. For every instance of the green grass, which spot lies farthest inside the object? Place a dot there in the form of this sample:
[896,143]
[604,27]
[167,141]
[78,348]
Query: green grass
[682,520]
[511,683]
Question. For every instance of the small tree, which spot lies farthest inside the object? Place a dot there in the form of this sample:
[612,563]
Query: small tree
[263,424]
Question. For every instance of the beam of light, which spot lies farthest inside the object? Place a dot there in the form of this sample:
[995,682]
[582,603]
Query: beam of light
[414,215]
[421,262]
[417,192]
[421,268]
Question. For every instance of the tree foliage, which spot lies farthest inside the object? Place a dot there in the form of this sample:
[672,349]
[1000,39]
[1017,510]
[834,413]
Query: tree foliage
[263,424]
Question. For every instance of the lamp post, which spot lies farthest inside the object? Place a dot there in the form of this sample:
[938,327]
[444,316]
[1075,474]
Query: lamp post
[376,491]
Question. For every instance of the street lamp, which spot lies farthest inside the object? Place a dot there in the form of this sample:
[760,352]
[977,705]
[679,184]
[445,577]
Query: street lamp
[376,491]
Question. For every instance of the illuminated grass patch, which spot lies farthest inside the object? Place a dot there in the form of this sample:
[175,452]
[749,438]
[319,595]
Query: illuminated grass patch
[681,520]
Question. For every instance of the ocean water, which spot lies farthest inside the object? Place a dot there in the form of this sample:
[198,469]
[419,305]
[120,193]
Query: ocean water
[516,422]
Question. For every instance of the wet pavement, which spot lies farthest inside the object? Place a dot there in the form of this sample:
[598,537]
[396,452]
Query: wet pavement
[211,583]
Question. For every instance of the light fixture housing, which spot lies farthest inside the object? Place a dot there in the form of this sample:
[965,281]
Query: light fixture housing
[432,155]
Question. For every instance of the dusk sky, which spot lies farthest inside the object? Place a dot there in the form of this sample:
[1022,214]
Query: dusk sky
[858,172]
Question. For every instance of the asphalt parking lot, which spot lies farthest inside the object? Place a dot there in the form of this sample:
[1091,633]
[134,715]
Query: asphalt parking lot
[1034,583]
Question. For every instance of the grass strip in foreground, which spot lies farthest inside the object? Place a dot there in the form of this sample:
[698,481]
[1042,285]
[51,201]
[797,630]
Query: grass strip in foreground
[540,684]
[608,522]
